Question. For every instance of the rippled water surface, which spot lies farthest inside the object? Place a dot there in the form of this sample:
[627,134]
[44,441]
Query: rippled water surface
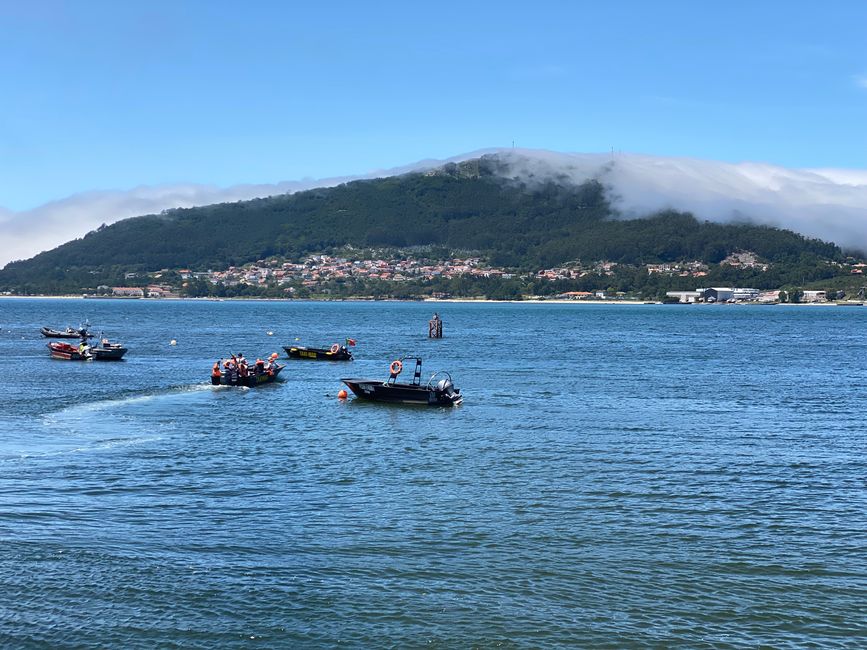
[646,476]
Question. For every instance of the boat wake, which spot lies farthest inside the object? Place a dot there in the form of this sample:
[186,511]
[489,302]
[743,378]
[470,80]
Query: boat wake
[128,399]
[132,419]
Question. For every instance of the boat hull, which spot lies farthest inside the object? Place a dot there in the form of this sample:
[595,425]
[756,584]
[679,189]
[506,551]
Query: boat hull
[317,354]
[375,390]
[250,381]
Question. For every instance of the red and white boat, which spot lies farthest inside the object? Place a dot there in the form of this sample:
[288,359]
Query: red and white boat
[60,350]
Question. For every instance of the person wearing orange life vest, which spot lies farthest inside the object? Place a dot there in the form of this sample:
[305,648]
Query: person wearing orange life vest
[215,373]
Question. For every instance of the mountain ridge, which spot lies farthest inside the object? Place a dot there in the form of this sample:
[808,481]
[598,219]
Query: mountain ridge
[522,221]
[826,203]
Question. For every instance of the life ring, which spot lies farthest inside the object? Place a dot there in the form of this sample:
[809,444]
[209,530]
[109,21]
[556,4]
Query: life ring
[335,348]
[396,367]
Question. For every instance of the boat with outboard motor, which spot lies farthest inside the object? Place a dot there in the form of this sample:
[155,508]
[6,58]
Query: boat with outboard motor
[336,352]
[233,377]
[236,372]
[68,333]
[107,351]
[436,392]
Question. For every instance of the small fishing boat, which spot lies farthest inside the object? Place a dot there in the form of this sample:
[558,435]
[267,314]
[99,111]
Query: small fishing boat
[231,377]
[68,333]
[438,391]
[68,352]
[107,351]
[335,353]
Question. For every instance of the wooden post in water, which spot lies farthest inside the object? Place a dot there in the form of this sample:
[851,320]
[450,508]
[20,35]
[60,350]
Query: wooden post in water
[435,327]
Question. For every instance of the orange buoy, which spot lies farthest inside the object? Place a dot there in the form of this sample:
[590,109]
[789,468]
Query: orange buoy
[395,367]
[342,394]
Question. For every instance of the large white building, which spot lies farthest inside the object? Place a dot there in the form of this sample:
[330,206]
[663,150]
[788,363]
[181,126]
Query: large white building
[746,294]
[684,296]
[814,296]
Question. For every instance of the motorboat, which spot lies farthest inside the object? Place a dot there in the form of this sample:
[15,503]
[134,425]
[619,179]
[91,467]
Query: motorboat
[68,333]
[107,351]
[335,353]
[438,391]
[254,377]
[68,352]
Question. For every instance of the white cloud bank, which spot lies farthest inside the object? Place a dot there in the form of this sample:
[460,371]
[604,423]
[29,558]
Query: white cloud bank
[29,232]
[830,204]
[827,203]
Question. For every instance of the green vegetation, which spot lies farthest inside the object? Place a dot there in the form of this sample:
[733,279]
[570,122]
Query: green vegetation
[460,207]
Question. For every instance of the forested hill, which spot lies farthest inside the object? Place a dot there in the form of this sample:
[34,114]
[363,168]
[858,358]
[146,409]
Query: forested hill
[465,206]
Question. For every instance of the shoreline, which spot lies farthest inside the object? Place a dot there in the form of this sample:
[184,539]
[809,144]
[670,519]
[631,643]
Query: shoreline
[549,301]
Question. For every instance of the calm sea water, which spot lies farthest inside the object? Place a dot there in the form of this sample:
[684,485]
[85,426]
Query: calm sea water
[646,476]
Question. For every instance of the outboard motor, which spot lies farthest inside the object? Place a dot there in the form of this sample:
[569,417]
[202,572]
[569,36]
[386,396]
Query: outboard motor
[447,388]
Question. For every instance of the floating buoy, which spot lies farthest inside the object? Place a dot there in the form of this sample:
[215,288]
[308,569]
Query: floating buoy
[173,342]
[270,333]
[342,394]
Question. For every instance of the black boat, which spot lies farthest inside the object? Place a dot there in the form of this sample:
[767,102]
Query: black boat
[436,392]
[232,377]
[68,333]
[335,353]
[107,351]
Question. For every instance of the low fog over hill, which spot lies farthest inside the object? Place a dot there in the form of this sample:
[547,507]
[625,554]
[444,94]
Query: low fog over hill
[830,204]
[827,203]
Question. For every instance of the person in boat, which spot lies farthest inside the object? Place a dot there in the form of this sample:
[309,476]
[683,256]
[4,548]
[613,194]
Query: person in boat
[83,348]
[231,369]
[260,367]
[272,363]
[243,370]
[215,372]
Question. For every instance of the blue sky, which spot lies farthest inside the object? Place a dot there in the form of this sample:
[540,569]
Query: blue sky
[111,95]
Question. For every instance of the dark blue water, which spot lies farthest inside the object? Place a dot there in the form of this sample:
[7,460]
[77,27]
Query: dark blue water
[645,476]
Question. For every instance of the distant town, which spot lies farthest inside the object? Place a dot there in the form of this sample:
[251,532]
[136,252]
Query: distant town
[328,275]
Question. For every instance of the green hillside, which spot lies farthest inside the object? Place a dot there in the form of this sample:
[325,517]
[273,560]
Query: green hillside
[466,207]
